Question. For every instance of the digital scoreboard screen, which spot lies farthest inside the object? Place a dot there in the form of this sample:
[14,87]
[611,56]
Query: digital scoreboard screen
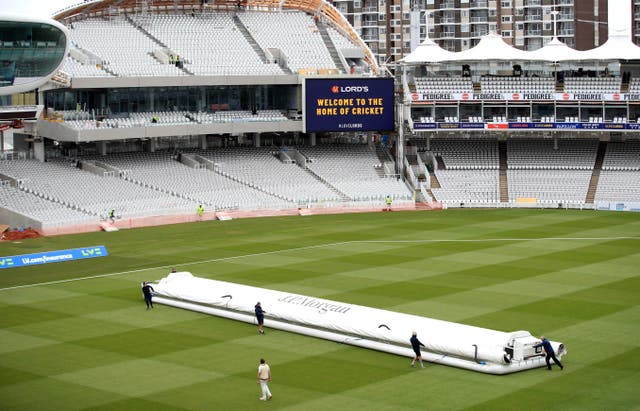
[360,104]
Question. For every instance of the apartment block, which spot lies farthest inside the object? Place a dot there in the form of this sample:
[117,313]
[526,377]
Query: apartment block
[392,28]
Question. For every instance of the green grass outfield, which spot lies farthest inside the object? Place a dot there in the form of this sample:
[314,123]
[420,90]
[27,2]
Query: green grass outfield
[76,335]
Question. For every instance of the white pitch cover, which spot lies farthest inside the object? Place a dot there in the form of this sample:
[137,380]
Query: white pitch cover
[445,342]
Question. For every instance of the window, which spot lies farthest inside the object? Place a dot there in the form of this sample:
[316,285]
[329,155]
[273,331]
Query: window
[507,33]
[464,28]
[505,4]
[506,19]
[519,26]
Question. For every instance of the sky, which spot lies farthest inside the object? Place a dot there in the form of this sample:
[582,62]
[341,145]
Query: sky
[40,8]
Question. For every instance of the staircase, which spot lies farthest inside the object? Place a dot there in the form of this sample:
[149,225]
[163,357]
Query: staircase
[434,182]
[595,175]
[155,40]
[335,56]
[342,195]
[504,184]
[441,164]
[254,44]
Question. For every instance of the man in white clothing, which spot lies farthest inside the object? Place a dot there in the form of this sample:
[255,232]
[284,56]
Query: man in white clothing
[264,377]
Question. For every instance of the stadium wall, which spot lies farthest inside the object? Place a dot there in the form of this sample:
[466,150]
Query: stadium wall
[16,219]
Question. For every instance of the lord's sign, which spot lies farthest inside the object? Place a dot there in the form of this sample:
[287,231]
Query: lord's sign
[346,104]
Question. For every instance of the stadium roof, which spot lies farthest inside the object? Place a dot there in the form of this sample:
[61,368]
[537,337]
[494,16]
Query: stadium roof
[493,48]
[615,48]
[428,51]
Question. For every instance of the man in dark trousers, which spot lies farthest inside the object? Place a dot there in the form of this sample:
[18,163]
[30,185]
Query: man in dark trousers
[415,344]
[260,317]
[546,344]
[147,291]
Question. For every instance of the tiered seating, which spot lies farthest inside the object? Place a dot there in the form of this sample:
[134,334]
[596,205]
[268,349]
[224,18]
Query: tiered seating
[622,156]
[620,176]
[352,170]
[48,212]
[341,42]
[634,85]
[490,84]
[301,43]
[471,175]
[618,186]
[89,193]
[457,154]
[444,85]
[537,170]
[238,116]
[76,69]
[160,171]
[572,154]
[592,84]
[222,51]
[82,120]
[470,187]
[549,186]
[162,118]
[126,53]
[260,168]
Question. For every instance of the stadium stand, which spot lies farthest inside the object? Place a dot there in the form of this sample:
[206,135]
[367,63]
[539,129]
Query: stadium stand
[443,85]
[38,208]
[301,46]
[260,167]
[217,189]
[538,169]
[134,59]
[592,85]
[223,51]
[354,172]
[59,182]
[620,176]
[490,84]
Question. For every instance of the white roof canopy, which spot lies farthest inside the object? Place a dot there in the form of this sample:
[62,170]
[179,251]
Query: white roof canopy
[493,48]
[428,52]
[615,48]
[554,51]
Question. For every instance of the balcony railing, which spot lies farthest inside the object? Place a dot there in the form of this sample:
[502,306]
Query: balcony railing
[446,35]
[479,4]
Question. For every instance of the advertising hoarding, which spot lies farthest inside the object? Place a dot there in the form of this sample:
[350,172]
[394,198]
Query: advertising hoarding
[348,104]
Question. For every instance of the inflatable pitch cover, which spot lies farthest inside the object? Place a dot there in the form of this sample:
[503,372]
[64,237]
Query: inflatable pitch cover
[448,343]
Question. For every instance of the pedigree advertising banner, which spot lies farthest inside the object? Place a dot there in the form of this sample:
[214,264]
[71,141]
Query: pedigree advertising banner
[362,104]
[595,96]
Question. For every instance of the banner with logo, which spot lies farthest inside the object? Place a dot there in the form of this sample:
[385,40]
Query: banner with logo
[528,126]
[418,97]
[53,256]
[362,104]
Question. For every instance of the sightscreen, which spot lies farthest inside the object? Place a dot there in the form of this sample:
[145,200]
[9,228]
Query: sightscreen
[344,104]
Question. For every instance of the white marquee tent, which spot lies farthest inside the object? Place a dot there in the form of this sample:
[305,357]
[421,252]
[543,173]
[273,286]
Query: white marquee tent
[493,48]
